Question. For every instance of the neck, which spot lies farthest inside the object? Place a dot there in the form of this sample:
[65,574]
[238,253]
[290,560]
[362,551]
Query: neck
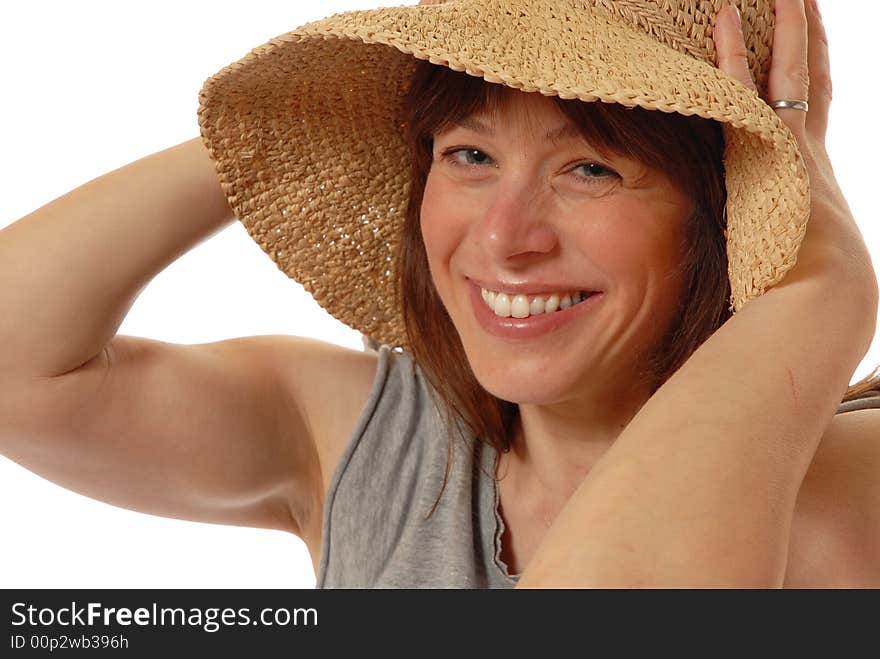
[555,446]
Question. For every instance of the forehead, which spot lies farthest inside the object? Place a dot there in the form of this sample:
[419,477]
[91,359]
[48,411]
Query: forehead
[504,106]
[554,135]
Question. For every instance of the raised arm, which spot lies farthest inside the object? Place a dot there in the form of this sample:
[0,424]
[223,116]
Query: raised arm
[700,488]
[73,268]
[203,432]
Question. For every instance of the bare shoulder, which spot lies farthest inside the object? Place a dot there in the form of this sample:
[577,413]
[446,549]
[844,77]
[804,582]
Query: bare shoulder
[835,537]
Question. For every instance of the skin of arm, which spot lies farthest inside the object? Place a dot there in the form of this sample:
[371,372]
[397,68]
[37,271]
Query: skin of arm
[699,490]
[108,239]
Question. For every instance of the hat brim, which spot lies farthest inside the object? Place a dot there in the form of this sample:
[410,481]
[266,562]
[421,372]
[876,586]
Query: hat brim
[305,134]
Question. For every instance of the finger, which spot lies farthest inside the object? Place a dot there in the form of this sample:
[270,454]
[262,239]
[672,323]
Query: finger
[820,73]
[789,69]
[730,47]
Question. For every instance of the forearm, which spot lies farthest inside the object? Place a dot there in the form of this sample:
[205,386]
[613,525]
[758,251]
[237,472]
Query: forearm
[694,493]
[72,269]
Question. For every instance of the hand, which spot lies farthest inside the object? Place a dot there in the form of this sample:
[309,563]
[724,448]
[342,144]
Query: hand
[800,70]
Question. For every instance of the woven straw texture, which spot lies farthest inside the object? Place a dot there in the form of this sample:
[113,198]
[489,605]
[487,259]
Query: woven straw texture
[309,152]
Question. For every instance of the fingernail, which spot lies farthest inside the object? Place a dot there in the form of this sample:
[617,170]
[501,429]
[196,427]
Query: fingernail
[738,18]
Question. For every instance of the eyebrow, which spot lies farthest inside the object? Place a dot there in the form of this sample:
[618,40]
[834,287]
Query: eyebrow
[554,136]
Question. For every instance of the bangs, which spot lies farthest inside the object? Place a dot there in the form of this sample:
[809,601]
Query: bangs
[438,98]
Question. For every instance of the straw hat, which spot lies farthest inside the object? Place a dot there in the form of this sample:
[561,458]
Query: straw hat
[310,153]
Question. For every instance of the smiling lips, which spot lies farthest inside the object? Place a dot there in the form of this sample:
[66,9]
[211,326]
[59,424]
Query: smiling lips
[519,330]
[523,306]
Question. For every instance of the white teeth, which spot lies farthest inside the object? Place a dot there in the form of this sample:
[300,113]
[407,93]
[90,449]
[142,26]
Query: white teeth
[502,305]
[537,305]
[523,306]
[519,307]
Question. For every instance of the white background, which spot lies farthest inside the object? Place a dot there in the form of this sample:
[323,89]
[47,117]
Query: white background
[90,86]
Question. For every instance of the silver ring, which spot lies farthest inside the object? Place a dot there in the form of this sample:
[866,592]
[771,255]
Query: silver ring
[794,105]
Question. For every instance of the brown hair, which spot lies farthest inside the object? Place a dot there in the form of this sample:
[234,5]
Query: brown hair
[687,148]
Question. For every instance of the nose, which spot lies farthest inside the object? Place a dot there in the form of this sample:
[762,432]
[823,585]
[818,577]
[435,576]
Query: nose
[517,227]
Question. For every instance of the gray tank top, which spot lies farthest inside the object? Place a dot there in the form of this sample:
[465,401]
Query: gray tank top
[376,531]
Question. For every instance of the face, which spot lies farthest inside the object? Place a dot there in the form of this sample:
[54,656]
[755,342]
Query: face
[529,208]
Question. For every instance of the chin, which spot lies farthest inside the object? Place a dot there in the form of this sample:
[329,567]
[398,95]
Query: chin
[523,382]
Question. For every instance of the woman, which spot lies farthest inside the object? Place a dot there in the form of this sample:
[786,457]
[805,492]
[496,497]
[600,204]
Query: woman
[283,486]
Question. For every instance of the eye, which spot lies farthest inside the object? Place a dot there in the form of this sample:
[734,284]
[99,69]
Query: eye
[480,156]
[471,157]
[595,168]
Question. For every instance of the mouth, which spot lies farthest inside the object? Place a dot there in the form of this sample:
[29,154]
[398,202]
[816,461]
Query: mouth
[498,316]
[525,305]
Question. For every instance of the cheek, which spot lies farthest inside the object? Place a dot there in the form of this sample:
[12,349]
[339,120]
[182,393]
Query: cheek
[625,237]
[637,246]
[442,224]
[653,252]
